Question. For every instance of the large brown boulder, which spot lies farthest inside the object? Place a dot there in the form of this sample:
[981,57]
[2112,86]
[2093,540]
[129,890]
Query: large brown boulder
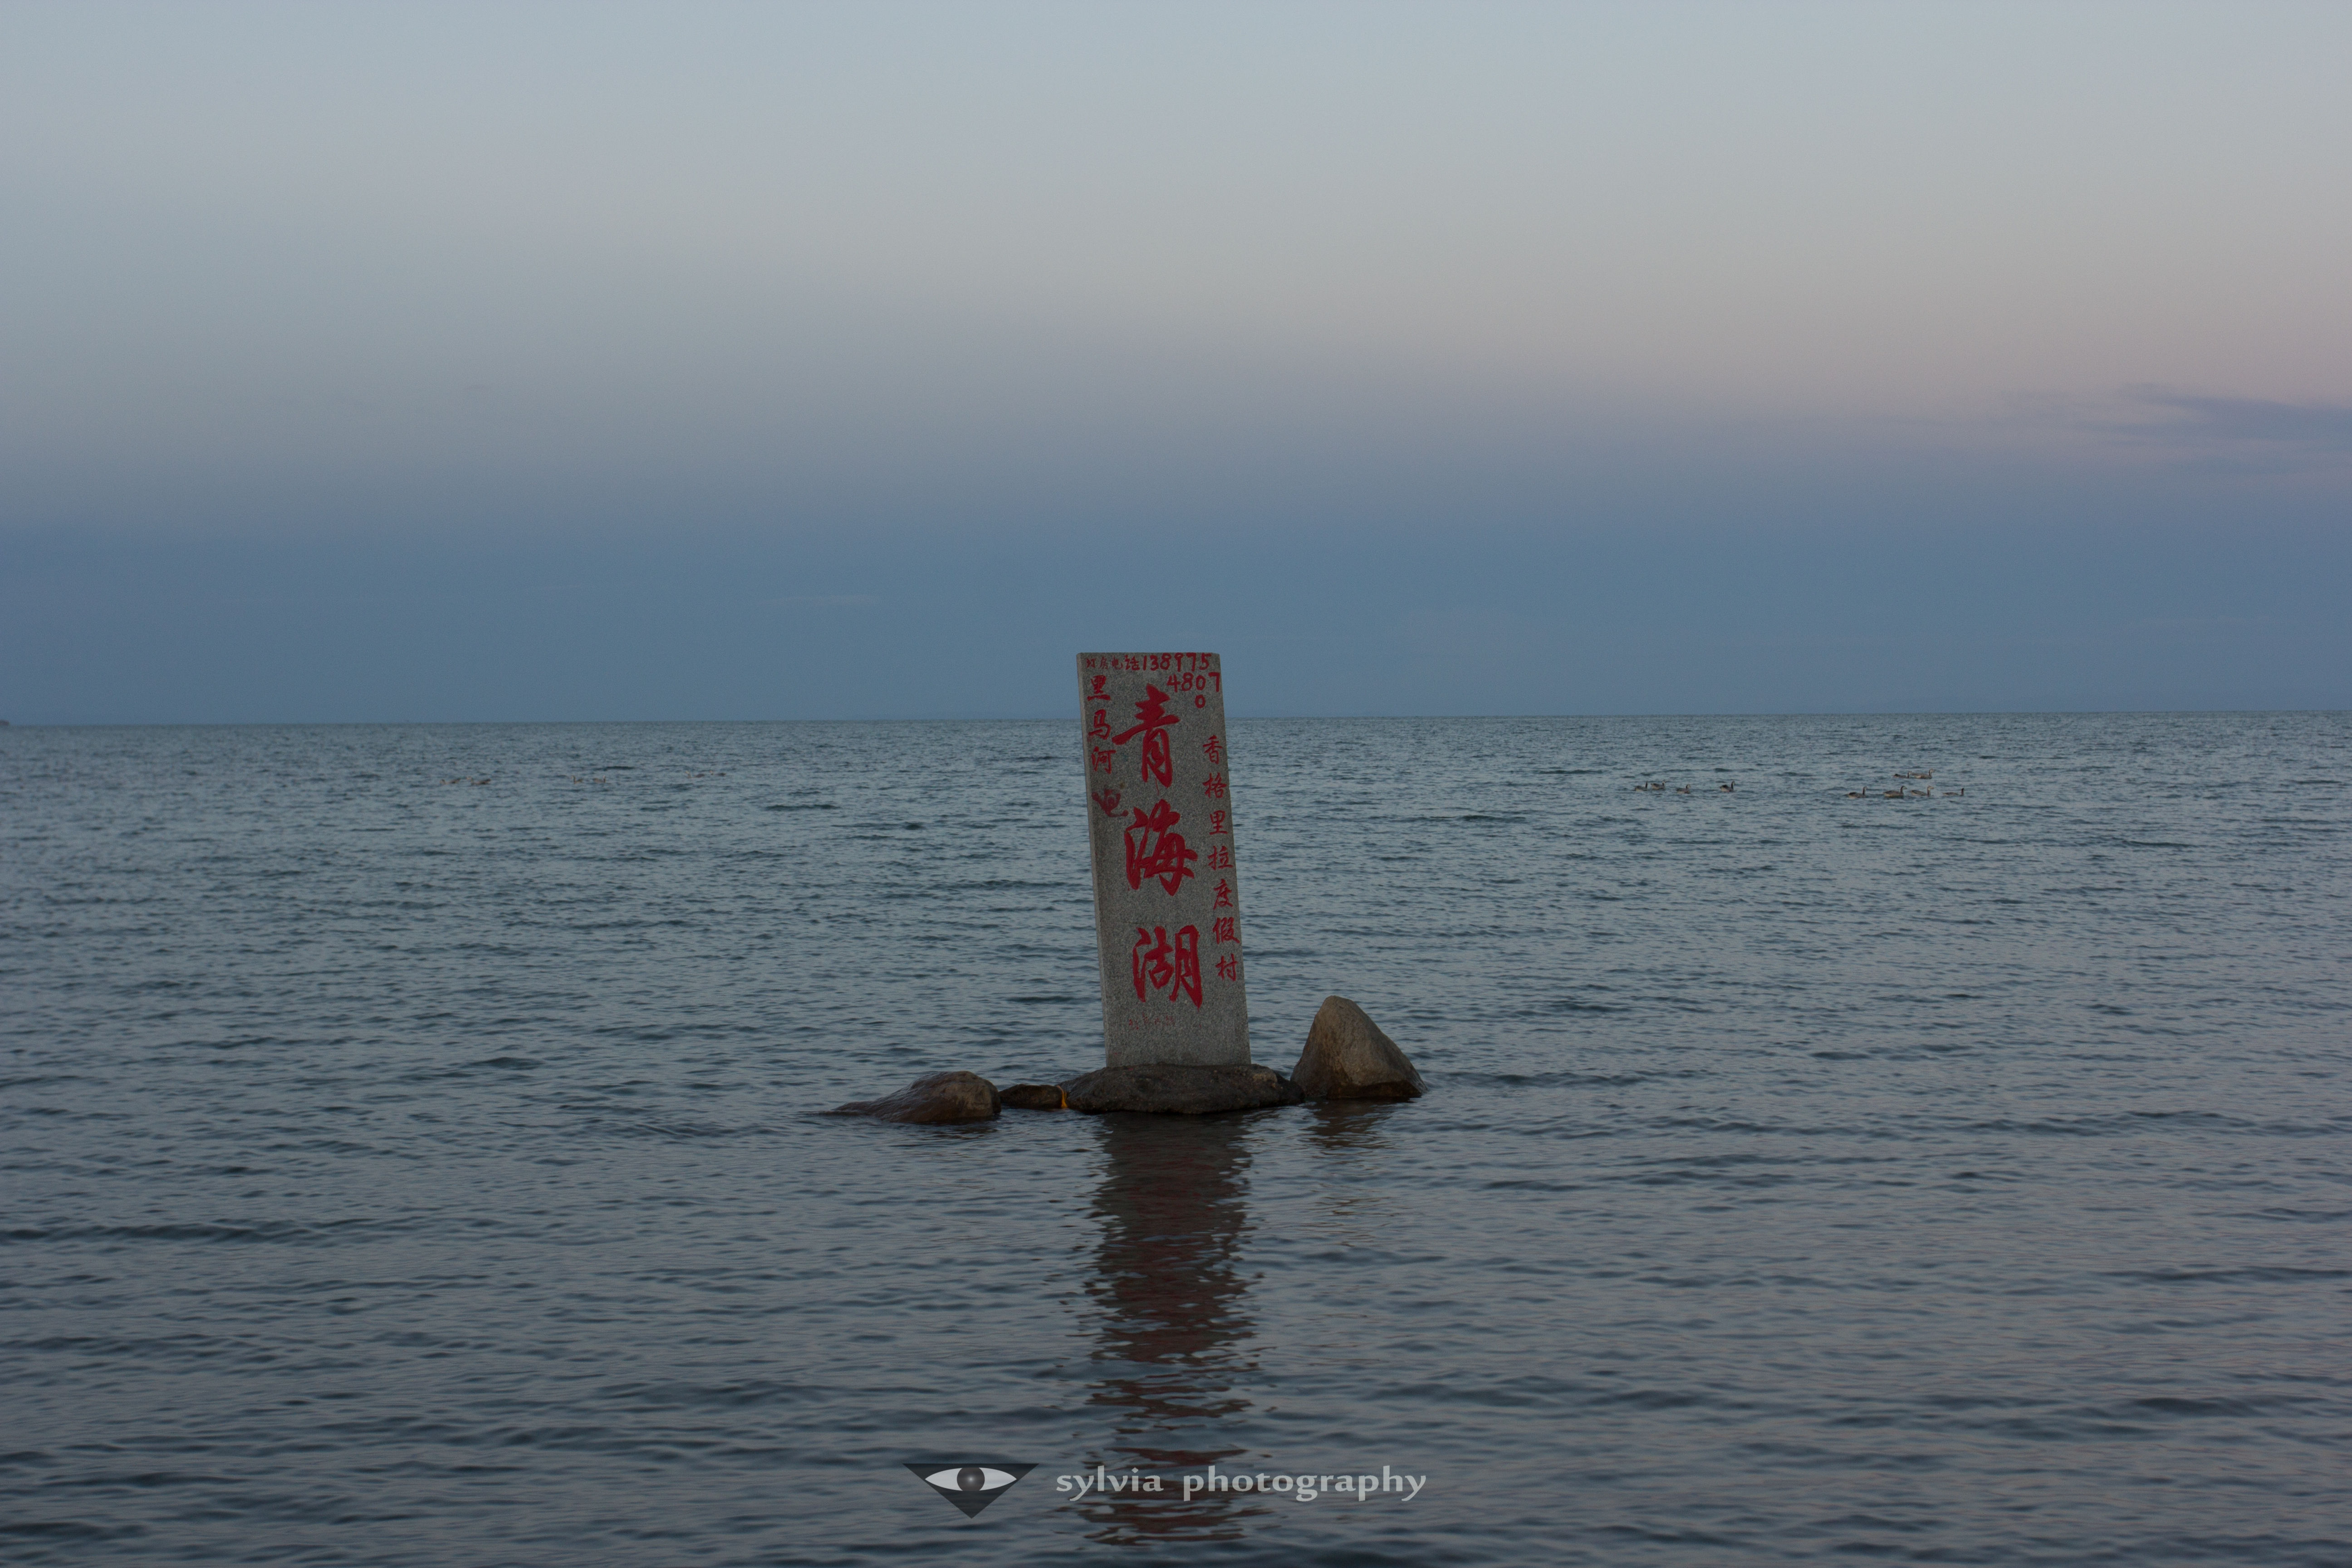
[1178,1089]
[1033,1095]
[1348,1058]
[934,1097]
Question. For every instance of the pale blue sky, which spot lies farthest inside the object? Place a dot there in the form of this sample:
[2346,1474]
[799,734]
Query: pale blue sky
[412,361]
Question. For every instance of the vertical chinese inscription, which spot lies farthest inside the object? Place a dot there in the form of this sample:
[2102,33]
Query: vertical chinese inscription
[1159,822]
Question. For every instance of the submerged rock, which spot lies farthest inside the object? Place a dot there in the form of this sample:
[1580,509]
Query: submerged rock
[937,1097]
[1348,1058]
[1178,1089]
[1034,1097]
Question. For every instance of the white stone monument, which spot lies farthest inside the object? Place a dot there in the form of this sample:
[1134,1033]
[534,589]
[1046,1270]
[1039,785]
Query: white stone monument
[1168,903]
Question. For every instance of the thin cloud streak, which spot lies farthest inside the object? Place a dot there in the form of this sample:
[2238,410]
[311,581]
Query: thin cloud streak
[2327,427]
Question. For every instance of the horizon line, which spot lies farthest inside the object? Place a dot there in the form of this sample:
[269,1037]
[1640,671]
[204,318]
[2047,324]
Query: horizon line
[1253,718]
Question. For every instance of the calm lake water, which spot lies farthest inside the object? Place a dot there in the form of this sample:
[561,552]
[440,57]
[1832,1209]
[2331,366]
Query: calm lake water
[407,1171]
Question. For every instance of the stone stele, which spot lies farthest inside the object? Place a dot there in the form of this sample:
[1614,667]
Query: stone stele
[1168,902]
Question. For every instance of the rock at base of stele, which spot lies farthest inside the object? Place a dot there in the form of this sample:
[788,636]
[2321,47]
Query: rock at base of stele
[1034,1097]
[1348,1058]
[1178,1089]
[935,1098]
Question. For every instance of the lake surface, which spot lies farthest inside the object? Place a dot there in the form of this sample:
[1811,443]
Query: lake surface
[408,1172]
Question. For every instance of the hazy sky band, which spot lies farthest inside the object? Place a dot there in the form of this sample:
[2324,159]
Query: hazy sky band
[1018,272]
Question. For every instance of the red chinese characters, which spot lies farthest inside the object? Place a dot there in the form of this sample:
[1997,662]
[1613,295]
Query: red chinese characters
[1152,719]
[1179,912]
[1159,965]
[1153,850]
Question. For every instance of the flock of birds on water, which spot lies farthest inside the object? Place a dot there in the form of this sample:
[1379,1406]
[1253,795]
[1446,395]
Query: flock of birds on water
[1653,786]
[1906,793]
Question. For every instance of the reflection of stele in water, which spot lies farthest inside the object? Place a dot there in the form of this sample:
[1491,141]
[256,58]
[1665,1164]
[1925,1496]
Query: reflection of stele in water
[1159,813]
[1172,1205]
